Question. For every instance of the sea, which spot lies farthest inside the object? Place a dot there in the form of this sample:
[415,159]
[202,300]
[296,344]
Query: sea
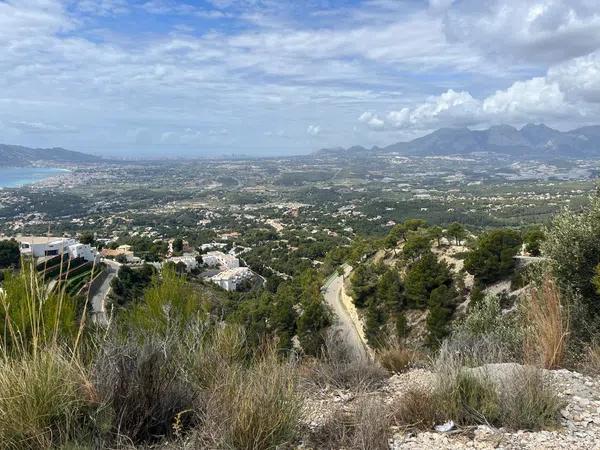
[11,177]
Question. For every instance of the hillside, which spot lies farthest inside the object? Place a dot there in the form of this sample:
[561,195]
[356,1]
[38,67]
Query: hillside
[19,156]
[531,141]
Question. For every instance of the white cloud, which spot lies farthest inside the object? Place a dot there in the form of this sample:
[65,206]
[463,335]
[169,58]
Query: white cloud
[579,78]
[372,120]
[526,100]
[313,130]
[537,99]
[451,107]
[526,30]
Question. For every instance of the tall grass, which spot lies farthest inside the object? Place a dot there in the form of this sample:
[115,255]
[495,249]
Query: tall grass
[547,331]
[31,317]
[502,395]
[253,408]
[44,401]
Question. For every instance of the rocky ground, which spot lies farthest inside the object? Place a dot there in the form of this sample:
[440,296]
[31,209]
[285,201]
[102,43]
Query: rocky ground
[579,427]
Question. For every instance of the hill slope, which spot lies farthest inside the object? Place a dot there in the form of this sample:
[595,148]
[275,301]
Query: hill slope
[18,156]
[537,141]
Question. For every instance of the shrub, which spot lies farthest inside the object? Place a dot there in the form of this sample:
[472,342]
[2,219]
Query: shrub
[528,403]
[254,408]
[43,401]
[510,396]
[336,368]
[398,359]
[572,248]
[367,427]
[144,386]
[547,326]
[486,335]
[468,398]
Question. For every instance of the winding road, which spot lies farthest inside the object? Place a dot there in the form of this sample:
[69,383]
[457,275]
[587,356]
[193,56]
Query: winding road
[98,300]
[347,325]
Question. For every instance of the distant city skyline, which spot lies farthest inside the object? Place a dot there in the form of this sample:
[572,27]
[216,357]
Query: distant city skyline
[265,77]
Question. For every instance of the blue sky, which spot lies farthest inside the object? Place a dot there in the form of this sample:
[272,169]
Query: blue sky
[169,78]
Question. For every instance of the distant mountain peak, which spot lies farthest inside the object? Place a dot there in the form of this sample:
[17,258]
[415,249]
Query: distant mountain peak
[532,140]
[20,156]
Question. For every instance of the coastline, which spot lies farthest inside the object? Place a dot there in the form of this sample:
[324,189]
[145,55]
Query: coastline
[18,177]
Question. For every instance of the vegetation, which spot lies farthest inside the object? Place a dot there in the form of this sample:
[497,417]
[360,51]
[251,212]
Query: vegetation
[547,330]
[182,364]
[518,399]
[10,254]
[492,258]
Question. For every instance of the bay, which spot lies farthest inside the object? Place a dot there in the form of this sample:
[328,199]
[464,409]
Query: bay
[11,177]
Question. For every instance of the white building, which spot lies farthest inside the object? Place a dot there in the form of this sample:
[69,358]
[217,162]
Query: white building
[42,246]
[231,279]
[220,259]
[190,261]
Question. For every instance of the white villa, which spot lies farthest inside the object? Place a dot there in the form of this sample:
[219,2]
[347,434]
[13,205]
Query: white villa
[190,261]
[220,259]
[231,279]
[41,246]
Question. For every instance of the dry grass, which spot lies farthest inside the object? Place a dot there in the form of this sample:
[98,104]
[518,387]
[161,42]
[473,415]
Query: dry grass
[255,408]
[591,364]
[366,427]
[43,401]
[398,359]
[337,369]
[145,387]
[547,321]
[522,401]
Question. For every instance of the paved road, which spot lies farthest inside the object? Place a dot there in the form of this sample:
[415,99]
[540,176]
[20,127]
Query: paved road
[346,326]
[98,301]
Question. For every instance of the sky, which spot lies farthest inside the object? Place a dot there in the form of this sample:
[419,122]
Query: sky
[170,78]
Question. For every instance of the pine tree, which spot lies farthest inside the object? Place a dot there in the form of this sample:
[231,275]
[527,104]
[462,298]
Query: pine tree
[440,311]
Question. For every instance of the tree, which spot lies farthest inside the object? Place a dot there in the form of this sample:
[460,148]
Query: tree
[315,316]
[477,294]
[390,291]
[572,251]
[283,315]
[415,224]
[401,326]
[533,239]
[423,277]
[395,235]
[364,284]
[311,325]
[493,257]
[87,237]
[457,231]
[436,233]
[178,245]
[416,245]
[375,322]
[10,255]
[441,303]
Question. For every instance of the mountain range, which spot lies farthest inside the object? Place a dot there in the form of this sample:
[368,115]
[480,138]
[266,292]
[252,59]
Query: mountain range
[531,141]
[19,156]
